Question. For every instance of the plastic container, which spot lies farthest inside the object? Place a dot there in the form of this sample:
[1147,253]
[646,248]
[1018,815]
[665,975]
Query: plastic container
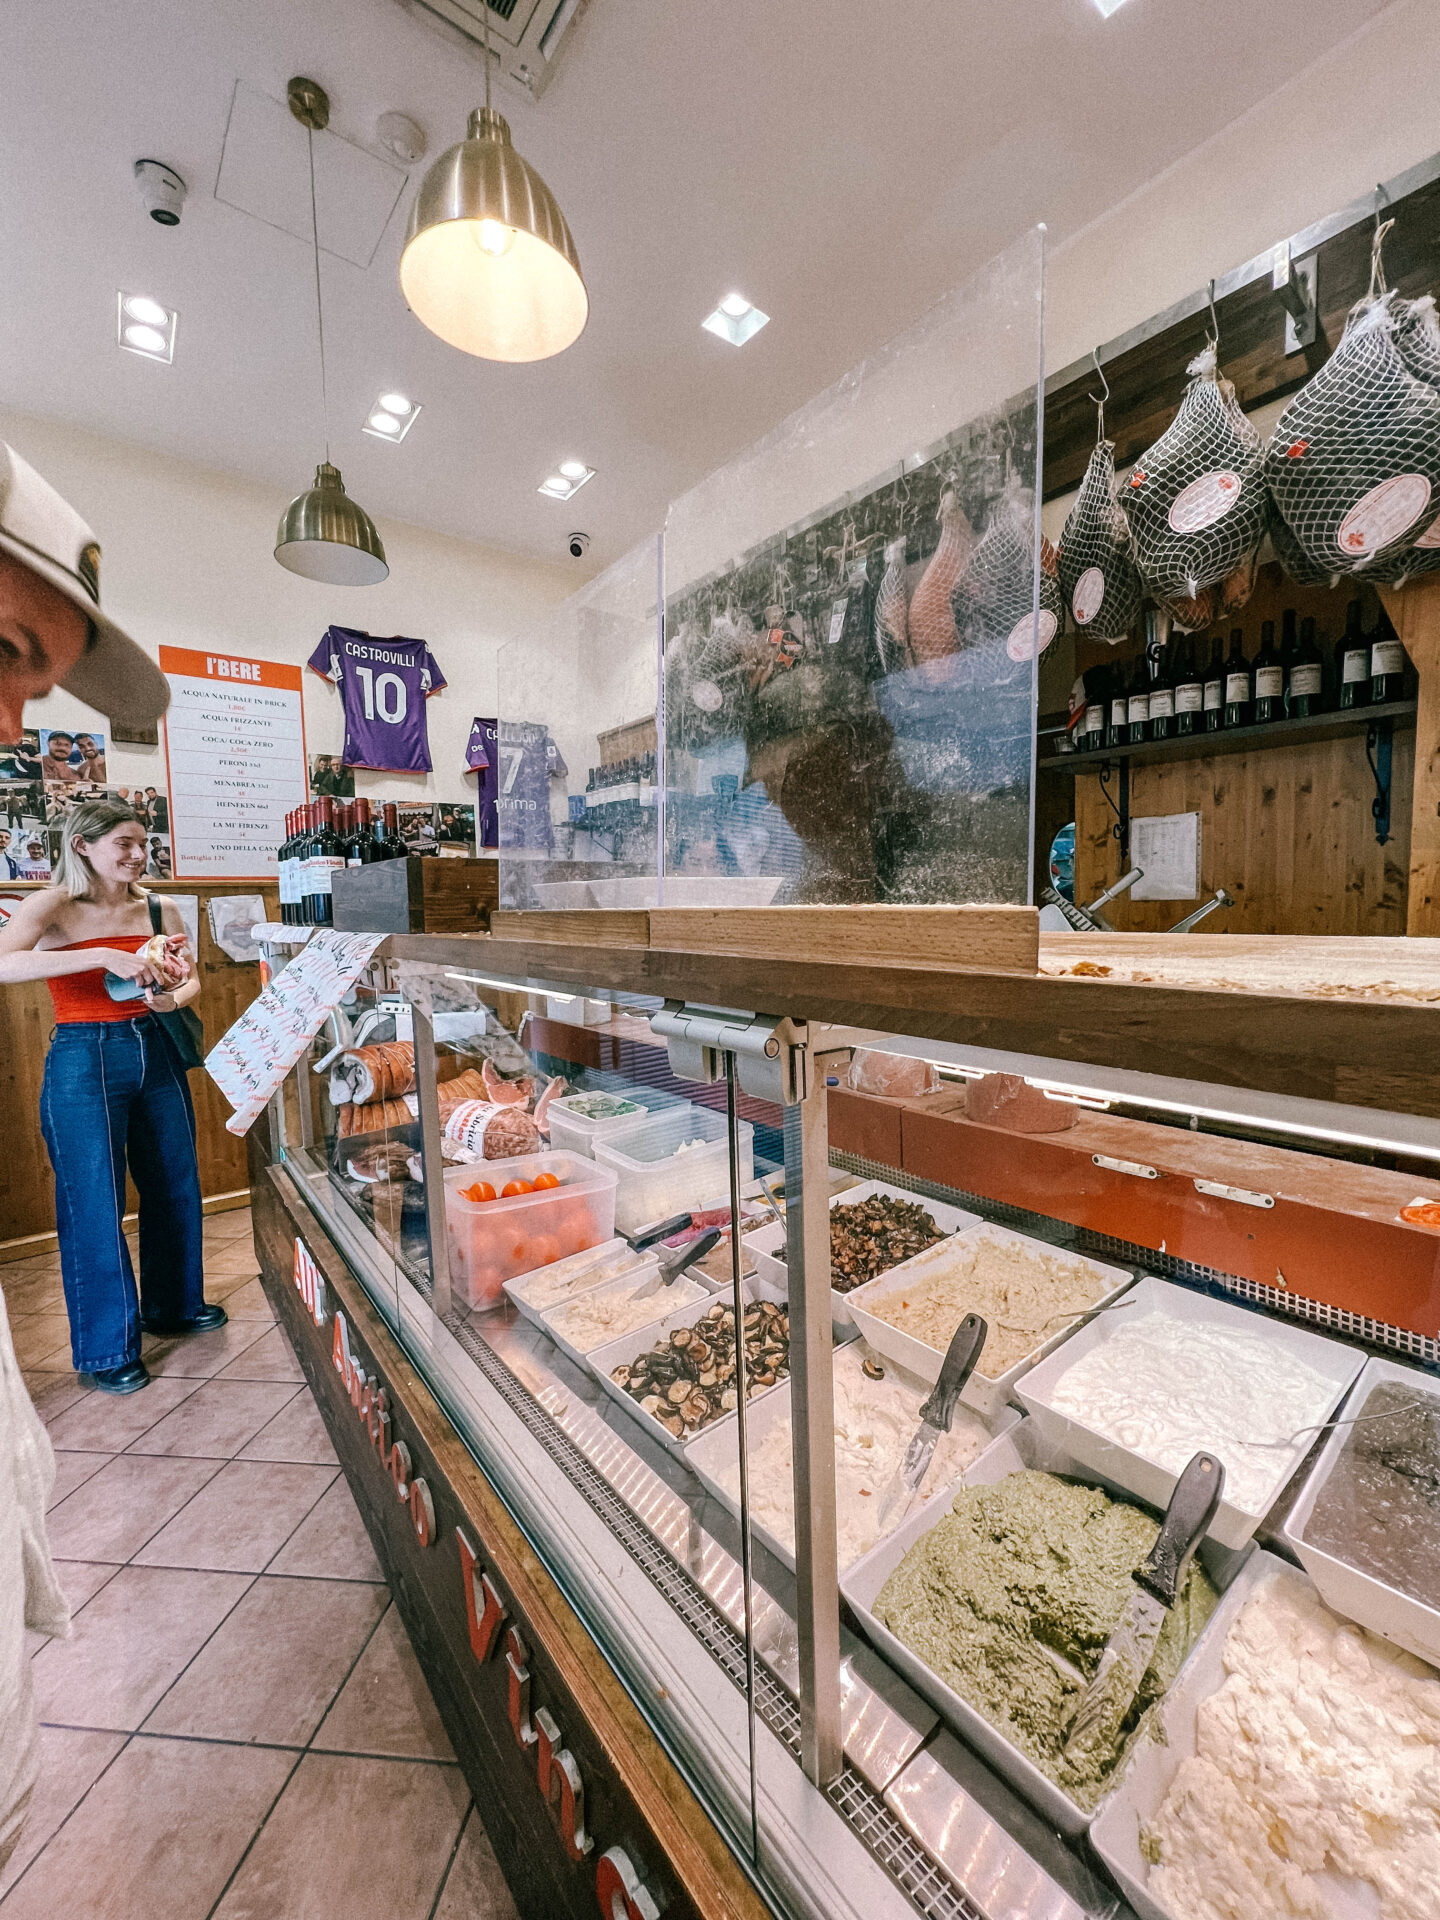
[683,1292]
[1141,1790]
[711,1451]
[987,1393]
[656,1180]
[492,1241]
[767,1243]
[575,1123]
[1023,1446]
[540,1292]
[1233,1525]
[1363,1597]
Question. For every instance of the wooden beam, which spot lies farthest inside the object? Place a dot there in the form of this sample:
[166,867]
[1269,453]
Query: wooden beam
[1415,612]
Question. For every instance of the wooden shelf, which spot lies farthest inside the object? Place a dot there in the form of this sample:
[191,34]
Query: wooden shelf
[1275,733]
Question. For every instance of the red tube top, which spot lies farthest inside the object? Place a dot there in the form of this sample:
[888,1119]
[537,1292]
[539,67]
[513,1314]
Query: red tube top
[82,996]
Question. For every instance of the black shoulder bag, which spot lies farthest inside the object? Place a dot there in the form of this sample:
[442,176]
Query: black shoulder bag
[182,1027]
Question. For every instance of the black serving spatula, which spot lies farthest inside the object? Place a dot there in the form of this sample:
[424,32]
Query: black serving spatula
[1157,1583]
[936,1414]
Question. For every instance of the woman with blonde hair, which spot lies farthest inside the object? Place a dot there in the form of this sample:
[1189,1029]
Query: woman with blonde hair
[114,1088]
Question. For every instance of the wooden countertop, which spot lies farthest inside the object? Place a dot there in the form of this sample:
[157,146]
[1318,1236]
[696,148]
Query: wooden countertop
[1317,1044]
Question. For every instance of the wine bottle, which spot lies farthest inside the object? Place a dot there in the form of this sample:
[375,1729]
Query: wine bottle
[1387,664]
[396,848]
[322,857]
[1237,682]
[359,841]
[1189,689]
[282,869]
[1137,705]
[1269,678]
[1117,724]
[1162,690]
[1091,731]
[1304,684]
[1289,648]
[1354,661]
[1214,708]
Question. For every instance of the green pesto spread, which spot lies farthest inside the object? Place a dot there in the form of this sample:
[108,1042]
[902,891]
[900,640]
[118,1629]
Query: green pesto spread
[1018,1578]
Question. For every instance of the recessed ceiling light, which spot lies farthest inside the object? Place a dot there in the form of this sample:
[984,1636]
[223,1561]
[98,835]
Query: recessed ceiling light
[391,418]
[566,481]
[144,326]
[735,320]
[1107,7]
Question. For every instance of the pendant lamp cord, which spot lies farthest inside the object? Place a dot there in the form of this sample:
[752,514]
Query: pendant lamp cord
[319,303]
[486,5]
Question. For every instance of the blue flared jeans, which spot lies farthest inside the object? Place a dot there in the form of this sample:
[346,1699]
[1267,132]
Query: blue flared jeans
[113,1092]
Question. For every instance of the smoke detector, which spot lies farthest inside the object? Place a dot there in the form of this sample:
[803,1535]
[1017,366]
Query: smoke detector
[527,37]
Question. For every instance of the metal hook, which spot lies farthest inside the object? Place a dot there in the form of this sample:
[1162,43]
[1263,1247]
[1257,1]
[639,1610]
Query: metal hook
[1099,404]
[1377,265]
[1214,321]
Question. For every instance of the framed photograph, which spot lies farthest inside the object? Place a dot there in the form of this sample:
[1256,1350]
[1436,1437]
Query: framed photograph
[21,761]
[329,778]
[69,759]
[416,823]
[455,825]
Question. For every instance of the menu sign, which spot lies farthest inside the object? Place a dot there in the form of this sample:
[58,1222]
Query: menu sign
[235,747]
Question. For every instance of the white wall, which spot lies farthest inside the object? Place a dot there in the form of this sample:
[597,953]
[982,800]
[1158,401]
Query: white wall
[188,560]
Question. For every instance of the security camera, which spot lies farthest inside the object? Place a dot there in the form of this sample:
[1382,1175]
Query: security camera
[579,545]
[162,190]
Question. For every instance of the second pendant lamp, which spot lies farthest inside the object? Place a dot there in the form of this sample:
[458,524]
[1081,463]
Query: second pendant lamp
[489,264]
[324,534]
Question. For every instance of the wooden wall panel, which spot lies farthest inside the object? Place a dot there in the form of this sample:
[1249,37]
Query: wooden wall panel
[1287,831]
[27,1201]
[1416,614]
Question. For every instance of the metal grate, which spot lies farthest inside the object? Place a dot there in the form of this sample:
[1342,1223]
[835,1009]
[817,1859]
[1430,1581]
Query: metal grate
[888,1840]
[1295,1306]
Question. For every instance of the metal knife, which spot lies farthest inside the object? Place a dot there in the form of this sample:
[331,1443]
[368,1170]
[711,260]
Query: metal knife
[1158,1580]
[935,1414]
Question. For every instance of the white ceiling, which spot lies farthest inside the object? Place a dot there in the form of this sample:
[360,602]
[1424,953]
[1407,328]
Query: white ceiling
[842,162]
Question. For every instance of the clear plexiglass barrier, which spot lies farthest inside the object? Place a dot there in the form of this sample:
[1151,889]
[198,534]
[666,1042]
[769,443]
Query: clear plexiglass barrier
[838,705]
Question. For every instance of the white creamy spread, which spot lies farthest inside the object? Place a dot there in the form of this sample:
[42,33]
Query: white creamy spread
[1025,1290]
[1164,1388]
[1320,1755]
[581,1272]
[875,1421]
[594,1318]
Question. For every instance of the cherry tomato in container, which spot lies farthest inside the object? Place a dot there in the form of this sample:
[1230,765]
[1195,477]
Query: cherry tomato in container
[544,1181]
[512,1187]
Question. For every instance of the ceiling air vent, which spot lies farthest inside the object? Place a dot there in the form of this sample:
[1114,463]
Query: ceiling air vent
[527,37]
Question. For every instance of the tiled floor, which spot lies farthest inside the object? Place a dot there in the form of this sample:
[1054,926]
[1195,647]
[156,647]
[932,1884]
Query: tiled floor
[237,1726]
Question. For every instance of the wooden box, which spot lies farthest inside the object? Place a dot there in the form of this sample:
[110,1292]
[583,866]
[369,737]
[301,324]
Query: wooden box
[417,895]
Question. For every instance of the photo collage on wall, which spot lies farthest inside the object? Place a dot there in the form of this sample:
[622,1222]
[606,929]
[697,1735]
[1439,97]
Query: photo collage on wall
[426,826]
[44,777]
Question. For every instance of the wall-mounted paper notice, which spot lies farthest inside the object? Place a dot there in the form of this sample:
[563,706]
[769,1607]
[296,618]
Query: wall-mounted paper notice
[1166,847]
[251,1061]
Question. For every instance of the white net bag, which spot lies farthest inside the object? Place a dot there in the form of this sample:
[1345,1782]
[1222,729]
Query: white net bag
[1354,461]
[1196,502]
[1098,578]
[993,600]
[1417,341]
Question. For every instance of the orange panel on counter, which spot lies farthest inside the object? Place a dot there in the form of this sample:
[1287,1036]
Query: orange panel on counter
[1333,1234]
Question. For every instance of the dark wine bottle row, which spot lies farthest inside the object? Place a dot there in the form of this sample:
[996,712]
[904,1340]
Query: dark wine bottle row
[1172,693]
[321,837]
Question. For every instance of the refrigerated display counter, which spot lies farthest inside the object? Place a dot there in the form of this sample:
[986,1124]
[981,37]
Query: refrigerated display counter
[623,1431]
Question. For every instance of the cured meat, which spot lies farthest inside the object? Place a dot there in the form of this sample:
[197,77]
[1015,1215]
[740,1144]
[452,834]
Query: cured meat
[469,1085]
[930,625]
[378,1116]
[506,1093]
[1196,502]
[380,1072]
[994,599]
[495,1133]
[1006,1100]
[1354,461]
[1098,576]
[389,1161]
[892,611]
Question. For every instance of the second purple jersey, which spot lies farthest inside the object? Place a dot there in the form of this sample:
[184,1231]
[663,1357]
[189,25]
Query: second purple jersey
[384,685]
[482,757]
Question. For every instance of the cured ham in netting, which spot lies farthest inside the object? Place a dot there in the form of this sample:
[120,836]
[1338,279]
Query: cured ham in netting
[994,598]
[1098,577]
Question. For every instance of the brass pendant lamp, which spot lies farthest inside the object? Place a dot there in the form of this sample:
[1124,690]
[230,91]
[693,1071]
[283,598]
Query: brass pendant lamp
[324,535]
[489,264]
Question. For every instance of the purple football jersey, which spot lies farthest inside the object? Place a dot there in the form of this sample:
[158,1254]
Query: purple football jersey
[384,685]
[482,757]
[528,758]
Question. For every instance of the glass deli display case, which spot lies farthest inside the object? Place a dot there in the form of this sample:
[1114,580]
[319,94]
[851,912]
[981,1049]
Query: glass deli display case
[784,1369]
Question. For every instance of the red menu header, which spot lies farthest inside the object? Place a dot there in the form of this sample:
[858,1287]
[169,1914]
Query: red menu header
[229,668]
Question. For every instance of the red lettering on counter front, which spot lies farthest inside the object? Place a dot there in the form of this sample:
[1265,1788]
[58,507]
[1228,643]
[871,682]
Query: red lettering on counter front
[619,1889]
[399,1469]
[422,1512]
[560,1782]
[518,1689]
[484,1611]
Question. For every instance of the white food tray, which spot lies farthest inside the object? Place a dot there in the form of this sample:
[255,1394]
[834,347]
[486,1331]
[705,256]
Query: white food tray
[630,1346]
[1233,1525]
[768,1242]
[986,1393]
[1364,1597]
[1022,1446]
[710,1451]
[1141,1791]
[681,1293]
[588,1269]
